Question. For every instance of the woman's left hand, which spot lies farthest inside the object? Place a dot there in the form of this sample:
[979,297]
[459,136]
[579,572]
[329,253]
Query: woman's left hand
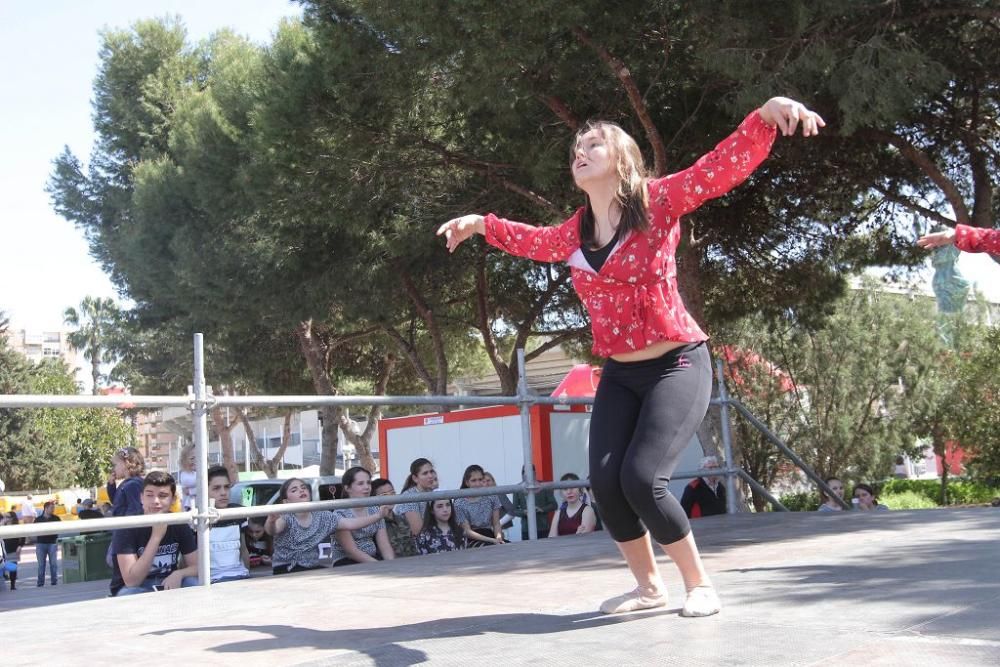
[786,114]
[937,239]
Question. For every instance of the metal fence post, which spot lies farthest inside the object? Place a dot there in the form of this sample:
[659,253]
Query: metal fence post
[528,450]
[727,442]
[199,409]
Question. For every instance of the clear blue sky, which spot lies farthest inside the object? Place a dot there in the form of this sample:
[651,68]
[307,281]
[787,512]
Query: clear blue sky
[49,56]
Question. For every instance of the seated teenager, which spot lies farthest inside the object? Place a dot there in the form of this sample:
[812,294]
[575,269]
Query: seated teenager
[297,536]
[576,516]
[441,530]
[229,558]
[257,542]
[479,516]
[423,479]
[148,559]
[398,530]
[367,544]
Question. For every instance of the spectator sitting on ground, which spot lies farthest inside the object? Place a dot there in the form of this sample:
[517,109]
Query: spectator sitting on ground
[297,536]
[545,504]
[705,496]
[865,499]
[829,504]
[187,477]
[257,542]
[87,510]
[12,547]
[148,559]
[576,516]
[479,516]
[423,478]
[441,530]
[46,547]
[229,558]
[367,544]
[400,537]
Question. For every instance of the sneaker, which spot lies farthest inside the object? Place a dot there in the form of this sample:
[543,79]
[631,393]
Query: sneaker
[634,600]
[701,601]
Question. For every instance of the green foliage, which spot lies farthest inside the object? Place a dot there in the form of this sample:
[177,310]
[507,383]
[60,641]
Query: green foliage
[960,492]
[240,190]
[99,333]
[53,447]
[907,500]
[836,393]
[972,413]
[802,501]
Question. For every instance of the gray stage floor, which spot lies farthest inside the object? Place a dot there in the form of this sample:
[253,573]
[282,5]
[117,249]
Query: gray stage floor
[900,588]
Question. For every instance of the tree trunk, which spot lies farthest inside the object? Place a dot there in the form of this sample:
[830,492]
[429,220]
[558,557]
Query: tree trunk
[95,371]
[941,449]
[314,350]
[689,280]
[225,432]
[362,440]
[268,466]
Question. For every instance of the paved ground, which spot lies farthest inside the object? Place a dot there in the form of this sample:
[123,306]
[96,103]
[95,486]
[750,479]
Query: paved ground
[900,588]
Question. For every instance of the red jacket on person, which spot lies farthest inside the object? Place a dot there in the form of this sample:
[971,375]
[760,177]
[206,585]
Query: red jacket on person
[977,239]
[633,300]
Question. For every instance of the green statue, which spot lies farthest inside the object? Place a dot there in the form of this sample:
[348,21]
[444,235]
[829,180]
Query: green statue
[950,288]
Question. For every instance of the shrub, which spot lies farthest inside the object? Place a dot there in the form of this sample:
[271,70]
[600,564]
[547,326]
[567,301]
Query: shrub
[800,502]
[960,492]
[907,500]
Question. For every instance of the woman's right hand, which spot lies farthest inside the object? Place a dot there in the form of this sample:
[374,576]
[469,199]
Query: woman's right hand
[457,230]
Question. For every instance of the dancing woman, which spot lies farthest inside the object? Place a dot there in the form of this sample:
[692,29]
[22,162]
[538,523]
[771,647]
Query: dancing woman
[656,384]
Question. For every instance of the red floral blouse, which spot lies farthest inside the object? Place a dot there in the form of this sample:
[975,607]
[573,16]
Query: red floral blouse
[633,300]
[977,239]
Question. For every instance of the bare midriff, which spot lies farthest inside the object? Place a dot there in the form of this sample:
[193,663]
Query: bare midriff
[652,352]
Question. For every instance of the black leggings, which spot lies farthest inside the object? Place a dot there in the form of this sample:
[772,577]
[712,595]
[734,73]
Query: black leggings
[645,414]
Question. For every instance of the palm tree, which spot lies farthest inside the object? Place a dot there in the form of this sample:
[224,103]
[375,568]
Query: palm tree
[98,322]
[4,322]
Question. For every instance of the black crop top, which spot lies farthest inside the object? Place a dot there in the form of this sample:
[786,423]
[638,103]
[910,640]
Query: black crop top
[596,258]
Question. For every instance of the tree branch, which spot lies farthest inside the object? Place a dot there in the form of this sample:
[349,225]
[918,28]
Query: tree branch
[619,69]
[562,112]
[482,316]
[926,165]
[555,341]
[427,315]
[915,207]
[411,355]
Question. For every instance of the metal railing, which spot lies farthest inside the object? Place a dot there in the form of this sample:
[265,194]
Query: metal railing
[200,400]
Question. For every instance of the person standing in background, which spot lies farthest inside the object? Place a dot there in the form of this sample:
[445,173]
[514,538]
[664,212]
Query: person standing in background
[705,496]
[45,547]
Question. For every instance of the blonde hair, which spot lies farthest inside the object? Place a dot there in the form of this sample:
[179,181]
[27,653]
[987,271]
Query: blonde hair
[185,452]
[631,195]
